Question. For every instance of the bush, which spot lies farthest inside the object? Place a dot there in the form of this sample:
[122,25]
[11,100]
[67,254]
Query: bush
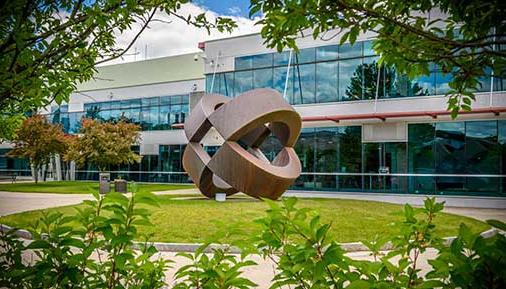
[95,249]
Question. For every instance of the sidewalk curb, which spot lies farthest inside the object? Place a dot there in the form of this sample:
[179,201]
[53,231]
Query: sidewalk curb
[192,247]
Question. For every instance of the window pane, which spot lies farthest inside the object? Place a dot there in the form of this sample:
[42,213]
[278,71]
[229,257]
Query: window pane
[482,155]
[450,155]
[326,82]
[304,83]
[228,84]
[305,150]
[329,52]
[244,62]
[348,51]
[243,81]
[369,75]
[305,55]
[442,81]
[262,78]
[368,50]
[279,80]
[424,85]
[262,60]
[350,79]
[282,58]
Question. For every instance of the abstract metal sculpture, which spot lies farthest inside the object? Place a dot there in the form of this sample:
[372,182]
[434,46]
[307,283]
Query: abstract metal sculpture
[239,165]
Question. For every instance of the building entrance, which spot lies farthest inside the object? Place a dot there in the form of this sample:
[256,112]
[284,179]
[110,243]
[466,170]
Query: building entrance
[382,162]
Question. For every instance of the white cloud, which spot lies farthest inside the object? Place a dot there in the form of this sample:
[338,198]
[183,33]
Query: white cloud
[234,10]
[177,37]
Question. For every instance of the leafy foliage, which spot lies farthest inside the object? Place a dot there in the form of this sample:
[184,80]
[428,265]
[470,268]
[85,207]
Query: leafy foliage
[47,47]
[103,144]
[37,140]
[306,257]
[95,249]
[220,269]
[92,249]
[467,41]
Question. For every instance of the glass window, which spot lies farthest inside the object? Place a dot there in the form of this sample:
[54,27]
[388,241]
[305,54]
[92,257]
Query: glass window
[243,81]
[369,75]
[326,82]
[165,100]
[164,117]
[350,79]
[304,84]
[348,51]
[424,85]
[209,79]
[501,137]
[327,157]
[305,150]
[483,155]
[282,58]
[481,147]
[279,81]
[262,60]
[262,78]
[244,62]
[115,104]
[305,55]
[228,84]
[329,52]
[442,80]
[450,155]
[368,49]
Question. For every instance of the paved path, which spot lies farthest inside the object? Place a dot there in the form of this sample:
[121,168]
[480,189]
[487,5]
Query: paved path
[11,202]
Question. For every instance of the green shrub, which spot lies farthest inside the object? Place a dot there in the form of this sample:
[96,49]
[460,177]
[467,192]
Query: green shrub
[95,249]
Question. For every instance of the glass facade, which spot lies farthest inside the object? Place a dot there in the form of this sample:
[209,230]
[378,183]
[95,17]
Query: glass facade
[330,73]
[163,168]
[443,158]
[154,113]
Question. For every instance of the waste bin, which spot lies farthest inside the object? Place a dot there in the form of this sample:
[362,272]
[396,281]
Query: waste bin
[120,186]
[104,186]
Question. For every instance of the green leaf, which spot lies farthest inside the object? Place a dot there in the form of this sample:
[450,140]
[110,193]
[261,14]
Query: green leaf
[359,284]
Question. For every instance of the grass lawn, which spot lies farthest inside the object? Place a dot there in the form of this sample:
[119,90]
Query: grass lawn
[196,220]
[79,187]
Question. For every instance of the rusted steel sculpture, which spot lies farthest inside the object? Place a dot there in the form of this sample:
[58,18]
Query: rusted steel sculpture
[239,165]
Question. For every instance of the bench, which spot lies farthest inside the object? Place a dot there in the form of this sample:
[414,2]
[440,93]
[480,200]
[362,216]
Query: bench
[12,177]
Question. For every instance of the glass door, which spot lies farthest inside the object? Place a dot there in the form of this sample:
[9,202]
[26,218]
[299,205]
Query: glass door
[380,161]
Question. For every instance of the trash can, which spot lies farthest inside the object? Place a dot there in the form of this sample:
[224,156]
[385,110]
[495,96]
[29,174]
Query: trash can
[120,186]
[104,186]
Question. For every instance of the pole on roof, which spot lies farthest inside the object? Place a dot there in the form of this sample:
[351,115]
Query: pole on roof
[287,73]
[214,72]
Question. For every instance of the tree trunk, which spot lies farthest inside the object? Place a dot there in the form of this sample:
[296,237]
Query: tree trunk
[36,174]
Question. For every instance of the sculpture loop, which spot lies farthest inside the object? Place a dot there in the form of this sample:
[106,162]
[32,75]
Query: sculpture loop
[239,165]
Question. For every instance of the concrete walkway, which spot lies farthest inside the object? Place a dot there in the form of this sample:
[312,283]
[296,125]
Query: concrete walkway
[11,202]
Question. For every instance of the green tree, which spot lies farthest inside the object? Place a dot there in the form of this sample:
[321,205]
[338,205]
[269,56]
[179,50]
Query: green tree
[47,47]
[104,144]
[37,140]
[466,40]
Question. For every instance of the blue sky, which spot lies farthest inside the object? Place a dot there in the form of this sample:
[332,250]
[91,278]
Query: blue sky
[226,7]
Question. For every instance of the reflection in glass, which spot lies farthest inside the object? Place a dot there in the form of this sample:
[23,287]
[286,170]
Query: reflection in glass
[304,84]
[262,60]
[279,78]
[262,78]
[329,52]
[243,81]
[350,79]
[348,51]
[326,82]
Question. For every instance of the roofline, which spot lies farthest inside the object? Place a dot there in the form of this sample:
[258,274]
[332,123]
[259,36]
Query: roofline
[232,37]
[152,59]
[136,85]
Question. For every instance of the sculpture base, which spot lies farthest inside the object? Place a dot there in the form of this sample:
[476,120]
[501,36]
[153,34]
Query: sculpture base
[220,197]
